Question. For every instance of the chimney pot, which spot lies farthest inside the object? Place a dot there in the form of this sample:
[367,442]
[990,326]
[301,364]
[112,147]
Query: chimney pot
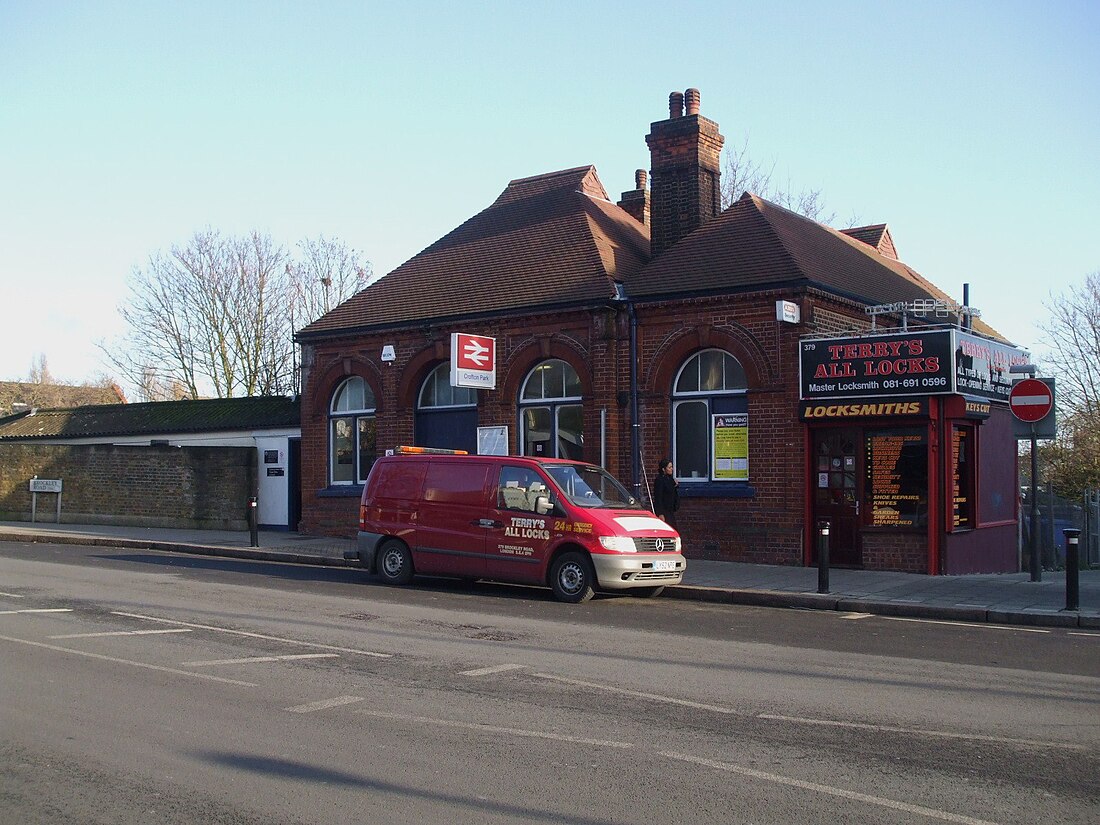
[691,97]
[676,104]
[640,177]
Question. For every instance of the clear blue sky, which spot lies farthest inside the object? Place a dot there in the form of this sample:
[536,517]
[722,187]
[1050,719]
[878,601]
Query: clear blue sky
[971,128]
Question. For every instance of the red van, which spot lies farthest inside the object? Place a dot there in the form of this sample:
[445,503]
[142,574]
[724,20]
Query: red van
[540,521]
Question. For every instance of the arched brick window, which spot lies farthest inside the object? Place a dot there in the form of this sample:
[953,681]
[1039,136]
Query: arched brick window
[446,416]
[550,413]
[351,432]
[710,383]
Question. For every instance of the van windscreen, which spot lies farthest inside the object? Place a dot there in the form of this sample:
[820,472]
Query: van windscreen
[587,485]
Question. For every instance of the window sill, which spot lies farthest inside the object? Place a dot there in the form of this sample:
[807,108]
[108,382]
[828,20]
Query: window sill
[341,491]
[716,489]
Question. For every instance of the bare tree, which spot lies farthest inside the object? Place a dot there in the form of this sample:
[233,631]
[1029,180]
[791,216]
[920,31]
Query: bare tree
[217,315]
[40,372]
[326,273]
[1073,336]
[741,173]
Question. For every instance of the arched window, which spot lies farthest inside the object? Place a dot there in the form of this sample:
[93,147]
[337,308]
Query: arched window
[710,419]
[550,415]
[351,432]
[446,416]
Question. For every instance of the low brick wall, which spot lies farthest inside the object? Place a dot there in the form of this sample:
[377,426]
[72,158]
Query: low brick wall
[204,488]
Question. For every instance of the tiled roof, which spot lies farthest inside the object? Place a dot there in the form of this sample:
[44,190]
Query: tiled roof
[877,235]
[757,244]
[549,240]
[55,395]
[159,417]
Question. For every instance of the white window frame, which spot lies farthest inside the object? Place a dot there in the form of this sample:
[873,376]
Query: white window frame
[554,403]
[354,416]
[706,396]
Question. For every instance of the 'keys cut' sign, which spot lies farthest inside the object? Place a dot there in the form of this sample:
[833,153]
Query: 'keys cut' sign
[473,361]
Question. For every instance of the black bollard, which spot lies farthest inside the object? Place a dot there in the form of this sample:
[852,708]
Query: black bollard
[252,528]
[1073,564]
[823,556]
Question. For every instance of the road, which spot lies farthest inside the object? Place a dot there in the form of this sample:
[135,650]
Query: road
[144,687]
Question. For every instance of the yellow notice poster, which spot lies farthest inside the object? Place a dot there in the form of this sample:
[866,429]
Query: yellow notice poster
[731,446]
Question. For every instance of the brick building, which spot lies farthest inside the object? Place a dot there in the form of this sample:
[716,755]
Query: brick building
[664,312]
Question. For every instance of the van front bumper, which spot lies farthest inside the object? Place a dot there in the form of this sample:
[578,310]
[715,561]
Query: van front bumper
[618,571]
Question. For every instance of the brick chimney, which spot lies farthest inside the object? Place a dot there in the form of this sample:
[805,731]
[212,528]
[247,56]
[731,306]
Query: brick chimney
[684,156]
[636,201]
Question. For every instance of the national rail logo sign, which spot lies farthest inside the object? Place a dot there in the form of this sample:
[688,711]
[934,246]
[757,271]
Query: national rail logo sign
[473,361]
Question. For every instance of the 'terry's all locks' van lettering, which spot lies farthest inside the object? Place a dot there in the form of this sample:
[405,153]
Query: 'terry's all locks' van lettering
[565,524]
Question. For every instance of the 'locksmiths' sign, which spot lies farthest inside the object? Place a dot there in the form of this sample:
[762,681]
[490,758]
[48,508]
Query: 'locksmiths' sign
[936,362]
[473,361]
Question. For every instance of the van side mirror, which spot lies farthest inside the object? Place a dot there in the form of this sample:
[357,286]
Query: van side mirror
[543,505]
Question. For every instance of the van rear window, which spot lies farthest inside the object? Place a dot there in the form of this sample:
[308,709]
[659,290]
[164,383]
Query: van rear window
[456,483]
[396,480]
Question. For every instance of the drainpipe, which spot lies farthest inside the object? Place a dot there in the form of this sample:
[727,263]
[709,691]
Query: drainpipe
[622,299]
[635,424]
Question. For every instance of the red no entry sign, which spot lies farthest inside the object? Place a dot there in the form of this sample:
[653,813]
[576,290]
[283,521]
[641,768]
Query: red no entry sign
[1030,400]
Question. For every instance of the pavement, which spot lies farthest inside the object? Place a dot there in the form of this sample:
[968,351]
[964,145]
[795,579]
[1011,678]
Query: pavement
[1002,598]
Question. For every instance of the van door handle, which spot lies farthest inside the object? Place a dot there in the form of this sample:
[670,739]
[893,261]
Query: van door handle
[487,522]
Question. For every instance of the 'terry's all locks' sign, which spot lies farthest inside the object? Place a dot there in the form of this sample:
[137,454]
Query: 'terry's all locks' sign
[931,362]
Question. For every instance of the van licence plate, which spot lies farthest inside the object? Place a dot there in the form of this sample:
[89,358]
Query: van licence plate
[664,564]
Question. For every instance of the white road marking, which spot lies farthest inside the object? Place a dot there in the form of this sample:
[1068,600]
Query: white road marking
[638,694]
[486,671]
[121,633]
[11,595]
[771,717]
[939,734]
[534,734]
[325,704]
[254,635]
[254,659]
[855,615]
[143,665]
[827,789]
[37,610]
[1079,633]
[981,625]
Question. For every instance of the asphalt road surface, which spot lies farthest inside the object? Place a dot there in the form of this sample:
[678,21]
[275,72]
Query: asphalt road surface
[145,687]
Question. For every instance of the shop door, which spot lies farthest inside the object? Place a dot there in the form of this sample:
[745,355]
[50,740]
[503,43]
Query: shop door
[836,493]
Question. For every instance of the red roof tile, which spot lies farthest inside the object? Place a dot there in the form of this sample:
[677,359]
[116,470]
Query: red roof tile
[549,240]
[877,235]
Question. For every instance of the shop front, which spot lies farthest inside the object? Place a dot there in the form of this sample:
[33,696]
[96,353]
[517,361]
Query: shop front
[912,459]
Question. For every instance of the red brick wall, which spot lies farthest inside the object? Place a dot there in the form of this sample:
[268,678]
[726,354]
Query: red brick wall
[765,528]
[905,552]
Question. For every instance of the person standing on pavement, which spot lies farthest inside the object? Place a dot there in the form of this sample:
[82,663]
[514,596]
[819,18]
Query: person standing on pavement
[666,496]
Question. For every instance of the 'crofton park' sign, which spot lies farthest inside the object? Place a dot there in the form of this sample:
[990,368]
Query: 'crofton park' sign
[931,362]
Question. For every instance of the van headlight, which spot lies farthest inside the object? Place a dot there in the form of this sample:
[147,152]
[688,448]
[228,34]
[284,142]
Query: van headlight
[620,544]
[676,544]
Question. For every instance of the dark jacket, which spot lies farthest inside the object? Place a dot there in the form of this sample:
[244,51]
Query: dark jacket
[666,498]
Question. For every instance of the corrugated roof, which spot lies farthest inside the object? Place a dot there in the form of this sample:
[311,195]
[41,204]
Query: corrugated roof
[153,418]
[548,240]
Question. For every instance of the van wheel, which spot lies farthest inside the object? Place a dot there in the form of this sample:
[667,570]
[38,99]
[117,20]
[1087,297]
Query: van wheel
[646,592]
[572,578]
[395,564]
